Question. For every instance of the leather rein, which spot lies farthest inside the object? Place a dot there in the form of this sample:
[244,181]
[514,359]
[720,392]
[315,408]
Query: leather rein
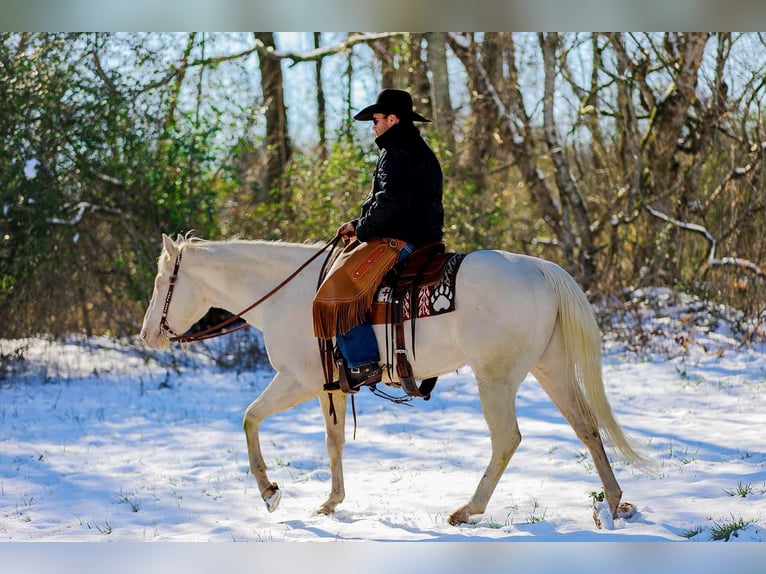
[212,332]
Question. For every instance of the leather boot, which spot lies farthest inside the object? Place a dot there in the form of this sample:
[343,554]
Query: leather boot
[369,374]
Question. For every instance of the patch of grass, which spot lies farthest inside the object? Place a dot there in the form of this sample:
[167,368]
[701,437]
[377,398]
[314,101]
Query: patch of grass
[688,460]
[692,532]
[104,528]
[724,530]
[742,490]
[582,457]
[688,380]
[538,513]
[130,500]
[493,524]
[684,458]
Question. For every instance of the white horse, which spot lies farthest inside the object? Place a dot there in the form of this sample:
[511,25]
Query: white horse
[513,314]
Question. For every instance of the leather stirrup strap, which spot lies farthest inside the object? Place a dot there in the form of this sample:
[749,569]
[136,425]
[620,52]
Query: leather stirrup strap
[403,367]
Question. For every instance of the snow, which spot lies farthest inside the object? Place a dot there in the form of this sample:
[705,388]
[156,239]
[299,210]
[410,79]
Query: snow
[103,440]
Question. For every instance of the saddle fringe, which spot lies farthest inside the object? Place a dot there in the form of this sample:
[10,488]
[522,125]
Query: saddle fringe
[339,317]
[345,295]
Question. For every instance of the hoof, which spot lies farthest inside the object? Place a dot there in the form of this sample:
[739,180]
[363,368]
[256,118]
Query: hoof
[271,496]
[604,518]
[460,516]
[625,510]
[326,509]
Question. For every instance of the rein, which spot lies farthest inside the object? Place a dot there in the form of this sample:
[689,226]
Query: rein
[210,333]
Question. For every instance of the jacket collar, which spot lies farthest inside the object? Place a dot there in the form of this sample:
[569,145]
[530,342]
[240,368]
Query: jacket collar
[401,134]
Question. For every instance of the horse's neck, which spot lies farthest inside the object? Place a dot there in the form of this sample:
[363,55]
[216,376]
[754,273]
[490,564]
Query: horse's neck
[235,274]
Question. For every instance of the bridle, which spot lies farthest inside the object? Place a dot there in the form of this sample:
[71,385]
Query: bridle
[164,327]
[215,330]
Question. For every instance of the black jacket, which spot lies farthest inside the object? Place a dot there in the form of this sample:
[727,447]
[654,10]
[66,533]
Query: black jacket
[406,197]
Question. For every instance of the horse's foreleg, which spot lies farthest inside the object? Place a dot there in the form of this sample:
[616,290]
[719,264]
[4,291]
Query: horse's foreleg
[269,490]
[282,393]
[498,405]
[335,436]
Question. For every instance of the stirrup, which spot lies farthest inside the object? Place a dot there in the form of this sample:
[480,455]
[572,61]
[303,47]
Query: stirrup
[370,374]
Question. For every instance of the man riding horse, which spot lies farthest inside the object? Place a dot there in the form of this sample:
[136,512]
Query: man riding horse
[402,212]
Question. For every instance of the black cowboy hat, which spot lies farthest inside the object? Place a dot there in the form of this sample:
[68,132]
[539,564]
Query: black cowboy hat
[397,102]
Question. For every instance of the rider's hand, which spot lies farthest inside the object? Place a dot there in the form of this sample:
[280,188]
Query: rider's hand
[346,232]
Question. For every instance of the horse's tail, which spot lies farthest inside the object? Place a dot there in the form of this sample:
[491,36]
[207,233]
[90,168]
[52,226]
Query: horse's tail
[582,345]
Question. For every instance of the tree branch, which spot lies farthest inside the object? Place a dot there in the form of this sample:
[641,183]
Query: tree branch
[82,207]
[744,264]
[265,51]
[739,172]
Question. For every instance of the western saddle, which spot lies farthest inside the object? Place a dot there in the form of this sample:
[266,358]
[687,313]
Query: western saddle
[402,295]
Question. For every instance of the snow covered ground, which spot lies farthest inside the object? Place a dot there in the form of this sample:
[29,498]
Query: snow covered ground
[102,440]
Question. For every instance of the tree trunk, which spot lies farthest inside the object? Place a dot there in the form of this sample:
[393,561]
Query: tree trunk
[321,104]
[347,128]
[515,130]
[574,212]
[385,54]
[417,72]
[278,146]
[660,143]
[482,122]
[441,102]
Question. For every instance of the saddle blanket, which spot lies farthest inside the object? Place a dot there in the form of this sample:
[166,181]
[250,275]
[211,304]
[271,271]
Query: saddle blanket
[433,296]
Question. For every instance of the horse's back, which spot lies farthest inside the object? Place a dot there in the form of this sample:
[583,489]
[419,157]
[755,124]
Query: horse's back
[505,278]
[503,301]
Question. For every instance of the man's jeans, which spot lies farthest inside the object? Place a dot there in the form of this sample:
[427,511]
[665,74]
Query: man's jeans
[359,345]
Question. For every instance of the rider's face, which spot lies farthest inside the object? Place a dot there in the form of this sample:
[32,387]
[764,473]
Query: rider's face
[382,122]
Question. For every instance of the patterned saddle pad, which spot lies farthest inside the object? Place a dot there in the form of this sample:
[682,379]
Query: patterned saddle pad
[434,293]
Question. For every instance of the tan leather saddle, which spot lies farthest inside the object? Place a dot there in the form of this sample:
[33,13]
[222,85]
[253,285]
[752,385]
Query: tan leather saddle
[422,286]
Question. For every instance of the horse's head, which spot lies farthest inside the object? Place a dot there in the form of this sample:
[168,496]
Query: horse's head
[181,309]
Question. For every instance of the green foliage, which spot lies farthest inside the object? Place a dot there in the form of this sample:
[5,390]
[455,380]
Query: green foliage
[742,490]
[80,236]
[725,529]
[597,496]
[692,532]
[317,195]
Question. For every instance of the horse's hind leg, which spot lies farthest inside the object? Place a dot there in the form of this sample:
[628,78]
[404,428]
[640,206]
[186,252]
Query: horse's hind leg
[498,403]
[335,427]
[559,384]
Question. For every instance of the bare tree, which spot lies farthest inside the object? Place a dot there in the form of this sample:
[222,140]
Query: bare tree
[417,74]
[278,145]
[441,102]
[517,132]
[321,106]
[482,61]
[574,211]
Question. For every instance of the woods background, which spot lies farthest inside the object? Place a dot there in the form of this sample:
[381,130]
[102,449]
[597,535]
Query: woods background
[630,159]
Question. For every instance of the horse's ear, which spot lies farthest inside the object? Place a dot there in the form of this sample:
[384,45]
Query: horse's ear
[168,244]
